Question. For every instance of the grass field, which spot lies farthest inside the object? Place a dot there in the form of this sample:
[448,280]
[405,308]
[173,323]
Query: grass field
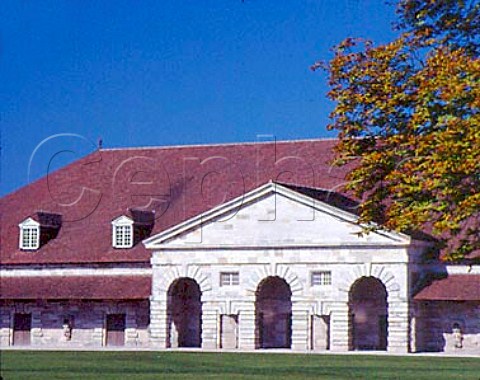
[40,365]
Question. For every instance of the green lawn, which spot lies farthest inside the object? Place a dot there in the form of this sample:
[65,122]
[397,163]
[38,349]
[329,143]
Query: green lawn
[191,365]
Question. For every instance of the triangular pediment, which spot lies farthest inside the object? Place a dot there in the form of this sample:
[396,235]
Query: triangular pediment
[122,221]
[29,222]
[272,216]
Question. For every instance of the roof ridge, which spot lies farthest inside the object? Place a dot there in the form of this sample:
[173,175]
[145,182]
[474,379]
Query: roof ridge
[200,145]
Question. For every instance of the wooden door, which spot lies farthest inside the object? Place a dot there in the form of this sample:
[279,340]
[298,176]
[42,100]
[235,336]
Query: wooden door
[22,326]
[116,329]
[229,331]
[320,332]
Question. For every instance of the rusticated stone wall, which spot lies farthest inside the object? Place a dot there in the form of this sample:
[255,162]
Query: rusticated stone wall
[436,321]
[88,322]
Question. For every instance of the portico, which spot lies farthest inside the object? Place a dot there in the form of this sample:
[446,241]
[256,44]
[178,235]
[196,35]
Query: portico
[278,269]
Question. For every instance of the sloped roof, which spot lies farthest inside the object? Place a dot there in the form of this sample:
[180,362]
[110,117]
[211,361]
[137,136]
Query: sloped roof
[334,199]
[455,287]
[176,183]
[76,287]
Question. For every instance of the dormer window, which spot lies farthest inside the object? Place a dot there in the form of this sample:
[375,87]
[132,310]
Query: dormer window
[29,234]
[39,229]
[123,236]
[122,232]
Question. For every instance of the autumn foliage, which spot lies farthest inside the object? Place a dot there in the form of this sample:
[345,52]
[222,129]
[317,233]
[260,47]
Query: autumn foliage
[408,112]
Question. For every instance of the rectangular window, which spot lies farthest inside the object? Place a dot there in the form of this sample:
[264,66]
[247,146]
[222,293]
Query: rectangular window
[229,278]
[30,238]
[321,278]
[123,236]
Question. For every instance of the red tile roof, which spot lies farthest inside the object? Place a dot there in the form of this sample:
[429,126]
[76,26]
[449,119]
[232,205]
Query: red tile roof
[456,287]
[177,182]
[76,287]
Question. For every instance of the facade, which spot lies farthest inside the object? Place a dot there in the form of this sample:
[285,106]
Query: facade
[238,247]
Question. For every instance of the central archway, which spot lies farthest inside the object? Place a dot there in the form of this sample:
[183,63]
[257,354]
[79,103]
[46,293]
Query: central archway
[184,310]
[273,310]
[368,312]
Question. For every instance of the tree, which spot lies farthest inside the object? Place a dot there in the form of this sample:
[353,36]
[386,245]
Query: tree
[408,113]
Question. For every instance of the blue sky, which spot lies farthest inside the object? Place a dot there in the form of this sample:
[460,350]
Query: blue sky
[165,73]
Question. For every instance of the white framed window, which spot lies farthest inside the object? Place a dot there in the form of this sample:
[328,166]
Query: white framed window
[321,278]
[229,278]
[29,234]
[122,232]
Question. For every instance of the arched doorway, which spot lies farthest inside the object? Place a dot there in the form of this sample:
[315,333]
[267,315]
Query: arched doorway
[273,308]
[368,312]
[184,312]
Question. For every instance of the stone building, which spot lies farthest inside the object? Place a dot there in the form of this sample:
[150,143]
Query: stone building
[236,246]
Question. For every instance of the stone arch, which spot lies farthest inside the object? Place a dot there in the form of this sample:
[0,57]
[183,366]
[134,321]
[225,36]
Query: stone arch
[184,313]
[282,271]
[368,314]
[273,313]
[170,275]
[370,270]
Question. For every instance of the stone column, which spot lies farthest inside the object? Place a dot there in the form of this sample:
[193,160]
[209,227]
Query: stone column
[247,339]
[300,327]
[209,326]
[398,327]
[158,323]
[340,337]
